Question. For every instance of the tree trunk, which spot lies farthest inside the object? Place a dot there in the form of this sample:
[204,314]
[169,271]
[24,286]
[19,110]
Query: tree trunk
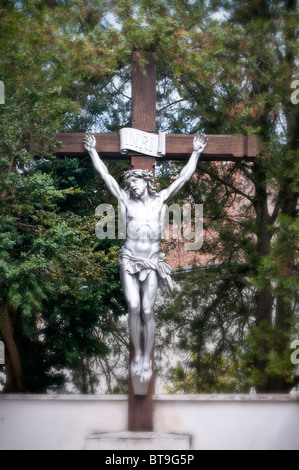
[13,366]
[264,298]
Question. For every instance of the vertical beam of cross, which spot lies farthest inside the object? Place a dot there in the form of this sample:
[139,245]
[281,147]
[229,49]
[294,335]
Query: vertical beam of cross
[143,105]
[144,119]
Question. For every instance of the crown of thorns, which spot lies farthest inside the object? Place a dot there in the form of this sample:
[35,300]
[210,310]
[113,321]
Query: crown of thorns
[145,174]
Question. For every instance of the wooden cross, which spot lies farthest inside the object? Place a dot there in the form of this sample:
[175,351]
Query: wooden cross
[178,147]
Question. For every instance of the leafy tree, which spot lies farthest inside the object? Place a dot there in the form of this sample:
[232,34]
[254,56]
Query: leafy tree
[58,283]
[238,78]
[65,68]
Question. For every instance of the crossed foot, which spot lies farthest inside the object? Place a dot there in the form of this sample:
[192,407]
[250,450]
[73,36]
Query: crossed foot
[142,368]
[136,366]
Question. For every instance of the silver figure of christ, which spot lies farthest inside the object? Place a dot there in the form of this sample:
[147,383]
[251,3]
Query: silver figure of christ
[142,266]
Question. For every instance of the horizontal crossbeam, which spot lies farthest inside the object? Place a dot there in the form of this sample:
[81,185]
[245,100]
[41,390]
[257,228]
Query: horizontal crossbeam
[178,147]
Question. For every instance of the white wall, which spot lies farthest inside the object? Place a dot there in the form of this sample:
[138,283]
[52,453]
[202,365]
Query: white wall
[58,422]
[213,421]
[237,422]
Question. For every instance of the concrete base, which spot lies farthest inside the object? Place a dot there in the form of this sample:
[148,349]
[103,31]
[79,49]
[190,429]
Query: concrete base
[137,441]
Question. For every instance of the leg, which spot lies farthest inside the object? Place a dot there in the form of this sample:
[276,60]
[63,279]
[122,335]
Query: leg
[131,290]
[149,294]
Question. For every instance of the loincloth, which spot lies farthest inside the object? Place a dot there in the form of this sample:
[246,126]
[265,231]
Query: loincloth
[143,266]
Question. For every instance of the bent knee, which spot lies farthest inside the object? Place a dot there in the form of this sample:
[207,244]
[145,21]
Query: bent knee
[148,314]
[134,308]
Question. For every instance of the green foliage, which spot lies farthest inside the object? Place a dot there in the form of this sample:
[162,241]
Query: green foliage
[234,77]
[221,377]
[208,322]
[276,266]
[54,273]
[66,68]
[268,343]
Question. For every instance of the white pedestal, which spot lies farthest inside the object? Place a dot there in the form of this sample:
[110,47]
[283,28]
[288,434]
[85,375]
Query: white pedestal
[137,441]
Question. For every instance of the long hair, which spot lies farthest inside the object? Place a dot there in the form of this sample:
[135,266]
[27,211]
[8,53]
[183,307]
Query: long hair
[144,174]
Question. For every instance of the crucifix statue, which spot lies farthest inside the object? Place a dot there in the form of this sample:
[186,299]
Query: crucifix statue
[141,262]
[142,266]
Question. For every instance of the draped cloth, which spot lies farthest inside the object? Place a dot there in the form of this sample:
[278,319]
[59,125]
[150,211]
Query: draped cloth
[143,266]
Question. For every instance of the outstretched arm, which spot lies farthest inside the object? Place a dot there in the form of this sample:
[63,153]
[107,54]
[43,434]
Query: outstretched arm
[199,144]
[90,145]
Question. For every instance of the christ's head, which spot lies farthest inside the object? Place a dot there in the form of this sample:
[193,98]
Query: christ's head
[138,182]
